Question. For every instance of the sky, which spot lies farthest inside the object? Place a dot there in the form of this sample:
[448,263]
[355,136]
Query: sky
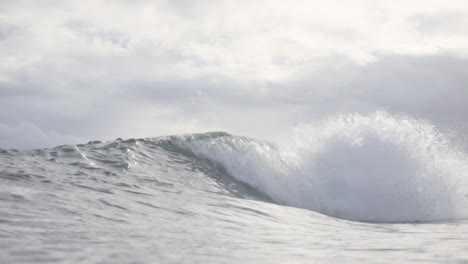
[75,71]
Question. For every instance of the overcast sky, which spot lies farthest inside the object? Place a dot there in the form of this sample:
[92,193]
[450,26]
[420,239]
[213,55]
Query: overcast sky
[74,71]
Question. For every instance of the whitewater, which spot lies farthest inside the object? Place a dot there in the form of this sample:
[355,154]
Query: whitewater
[376,188]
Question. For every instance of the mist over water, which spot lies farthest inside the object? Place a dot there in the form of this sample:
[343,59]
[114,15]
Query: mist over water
[220,198]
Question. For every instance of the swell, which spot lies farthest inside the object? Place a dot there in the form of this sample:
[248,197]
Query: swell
[376,168]
[122,165]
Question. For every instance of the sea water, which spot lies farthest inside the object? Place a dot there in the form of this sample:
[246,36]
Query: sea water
[378,188]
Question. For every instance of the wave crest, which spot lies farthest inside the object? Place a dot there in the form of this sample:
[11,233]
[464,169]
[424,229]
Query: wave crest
[376,168]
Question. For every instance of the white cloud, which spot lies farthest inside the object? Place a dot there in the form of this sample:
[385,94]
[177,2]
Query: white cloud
[250,40]
[106,69]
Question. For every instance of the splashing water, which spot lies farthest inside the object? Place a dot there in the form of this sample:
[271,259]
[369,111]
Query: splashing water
[219,198]
[376,168]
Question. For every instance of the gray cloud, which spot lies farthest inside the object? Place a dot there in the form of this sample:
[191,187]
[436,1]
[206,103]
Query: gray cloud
[85,72]
[445,22]
[426,87]
[92,33]
[7,31]
[26,135]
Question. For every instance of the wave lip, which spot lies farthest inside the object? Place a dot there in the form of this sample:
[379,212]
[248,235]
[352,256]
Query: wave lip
[376,168]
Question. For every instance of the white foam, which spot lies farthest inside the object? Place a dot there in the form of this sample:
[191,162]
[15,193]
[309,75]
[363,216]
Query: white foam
[378,168]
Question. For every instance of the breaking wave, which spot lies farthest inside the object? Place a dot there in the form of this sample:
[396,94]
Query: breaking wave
[376,168]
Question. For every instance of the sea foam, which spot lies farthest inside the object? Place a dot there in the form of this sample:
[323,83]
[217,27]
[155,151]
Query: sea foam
[374,168]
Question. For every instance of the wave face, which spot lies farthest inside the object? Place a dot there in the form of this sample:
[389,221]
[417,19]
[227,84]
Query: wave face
[220,198]
[377,168]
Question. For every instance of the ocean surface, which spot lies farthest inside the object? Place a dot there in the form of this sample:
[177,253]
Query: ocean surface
[352,189]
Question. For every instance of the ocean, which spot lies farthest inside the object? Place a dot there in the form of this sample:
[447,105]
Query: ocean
[354,189]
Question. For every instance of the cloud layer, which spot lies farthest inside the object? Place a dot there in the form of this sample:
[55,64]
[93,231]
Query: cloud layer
[80,70]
